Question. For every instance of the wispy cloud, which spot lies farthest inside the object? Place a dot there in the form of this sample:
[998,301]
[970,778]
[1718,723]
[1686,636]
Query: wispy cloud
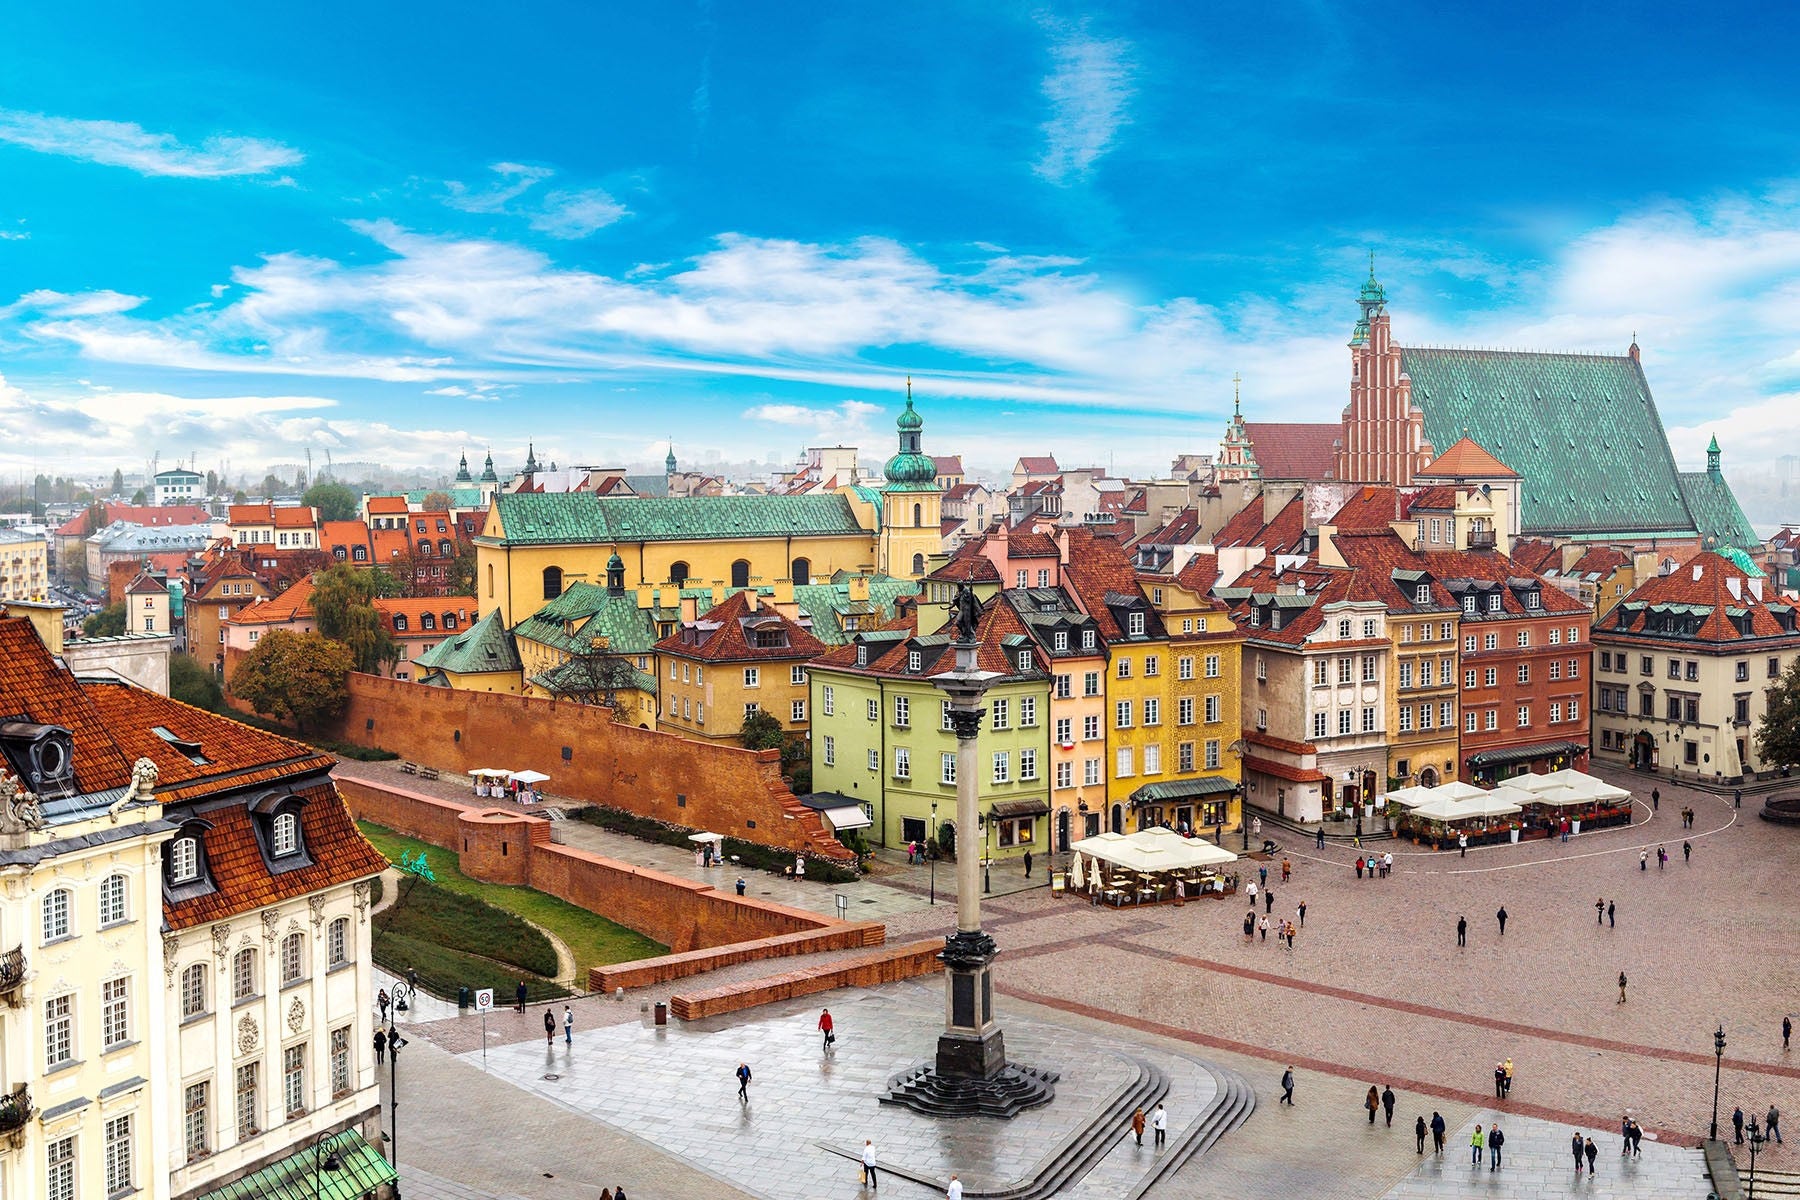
[47,303]
[1089,88]
[566,213]
[125,144]
[846,422]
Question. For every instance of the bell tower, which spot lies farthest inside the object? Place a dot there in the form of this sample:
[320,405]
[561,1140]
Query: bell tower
[911,502]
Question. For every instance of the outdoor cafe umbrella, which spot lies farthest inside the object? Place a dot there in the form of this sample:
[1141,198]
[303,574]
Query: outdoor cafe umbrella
[1076,879]
[529,777]
[706,837]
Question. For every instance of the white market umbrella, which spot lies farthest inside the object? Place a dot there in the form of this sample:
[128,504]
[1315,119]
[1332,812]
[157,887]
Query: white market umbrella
[489,773]
[529,777]
[1076,879]
[706,837]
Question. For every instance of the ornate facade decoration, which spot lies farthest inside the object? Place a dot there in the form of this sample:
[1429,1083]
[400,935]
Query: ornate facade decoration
[171,943]
[296,1016]
[271,923]
[221,937]
[316,902]
[143,778]
[361,891]
[19,810]
[247,1033]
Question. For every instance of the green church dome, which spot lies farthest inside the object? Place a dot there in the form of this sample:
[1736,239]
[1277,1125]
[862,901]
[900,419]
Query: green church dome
[910,470]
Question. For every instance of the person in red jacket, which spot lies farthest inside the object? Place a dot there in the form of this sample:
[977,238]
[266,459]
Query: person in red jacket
[825,1028]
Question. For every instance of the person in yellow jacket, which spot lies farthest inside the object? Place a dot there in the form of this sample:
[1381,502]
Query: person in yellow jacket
[1476,1143]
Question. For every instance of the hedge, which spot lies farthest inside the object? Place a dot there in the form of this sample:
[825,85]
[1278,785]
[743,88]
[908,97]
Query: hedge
[442,970]
[749,854]
[423,912]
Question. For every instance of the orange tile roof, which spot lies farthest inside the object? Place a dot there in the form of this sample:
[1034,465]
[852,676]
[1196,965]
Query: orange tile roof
[1372,507]
[720,635]
[32,685]
[1712,589]
[1439,497]
[388,505]
[1038,466]
[296,518]
[1097,566]
[389,544]
[1200,574]
[251,514]
[343,533]
[295,604]
[1467,458]
[967,565]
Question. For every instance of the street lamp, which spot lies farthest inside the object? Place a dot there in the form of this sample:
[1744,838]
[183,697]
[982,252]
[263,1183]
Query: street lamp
[1718,1063]
[1756,1143]
[931,841]
[1243,816]
[403,995]
[987,853]
[324,1152]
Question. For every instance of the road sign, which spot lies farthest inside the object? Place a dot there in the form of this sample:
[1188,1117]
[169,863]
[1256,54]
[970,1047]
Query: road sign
[484,1000]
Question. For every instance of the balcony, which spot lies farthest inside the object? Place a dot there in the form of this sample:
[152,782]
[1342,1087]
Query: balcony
[1481,539]
[12,973]
[15,1111]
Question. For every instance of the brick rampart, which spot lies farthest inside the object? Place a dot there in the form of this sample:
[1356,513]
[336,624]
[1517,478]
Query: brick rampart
[667,967]
[886,965]
[700,785]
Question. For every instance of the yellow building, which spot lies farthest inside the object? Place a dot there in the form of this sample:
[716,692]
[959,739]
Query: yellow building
[1205,697]
[23,571]
[741,656]
[911,502]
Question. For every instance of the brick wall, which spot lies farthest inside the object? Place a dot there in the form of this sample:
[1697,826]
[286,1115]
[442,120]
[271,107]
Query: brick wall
[666,967]
[700,785]
[886,965]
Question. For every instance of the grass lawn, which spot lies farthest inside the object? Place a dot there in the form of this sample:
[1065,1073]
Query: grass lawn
[593,940]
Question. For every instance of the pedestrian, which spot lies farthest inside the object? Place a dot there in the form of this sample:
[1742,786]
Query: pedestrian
[1287,870]
[743,1078]
[1637,1139]
[954,1191]
[1262,876]
[1462,845]
[1621,987]
[568,1026]
[549,1028]
[618,1194]
[1387,1104]
[1772,1126]
[1256,826]
[381,998]
[1687,852]
[1737,1125]
[1250,925]
[519,996]
[1737,797]
[1287,1088]
[1501,917]
[1387,864]
[606,1194]
[1419,1132]
[1262,927]
[1359,866]
[1437,1132]
[1506,1088]
[740,885]
[1462,931]
[1611,912]
[1028,864]
[1787,1031]
[868,1161]
[1656,800]
[1599,909]
[1303,914]
[1592,1151]
[1250,889]
[1159,1121]
[1563,825]
[1137,1124]
[380,1044]
[1290,935]
[1643,860]
[1499,1081]
[825,1028]
[1662,857]
[1476,1142]
[1496,1139]
[1319,842]
[1372,1102]
[1268,902]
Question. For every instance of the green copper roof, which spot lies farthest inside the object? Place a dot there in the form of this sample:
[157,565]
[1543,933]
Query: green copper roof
[1580,429]
[910,473]
[829,603]
[1712,447]
[484,647]
[460,497]
[303,1175]
[547,518]
[592,612]
[1715,510]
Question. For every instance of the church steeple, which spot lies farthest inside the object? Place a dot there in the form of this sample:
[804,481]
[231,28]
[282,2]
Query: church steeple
[487,471]
[669,460]
[531,462]
[1712,456]
[462,469]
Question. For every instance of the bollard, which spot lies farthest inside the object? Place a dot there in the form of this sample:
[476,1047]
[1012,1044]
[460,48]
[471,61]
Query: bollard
[662,1013]
[619,995]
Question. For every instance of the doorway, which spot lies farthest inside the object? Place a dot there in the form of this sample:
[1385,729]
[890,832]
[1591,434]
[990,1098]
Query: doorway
[1062,830]
[1118,818]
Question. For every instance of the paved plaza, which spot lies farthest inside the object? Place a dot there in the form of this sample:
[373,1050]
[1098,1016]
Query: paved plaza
[1376,990]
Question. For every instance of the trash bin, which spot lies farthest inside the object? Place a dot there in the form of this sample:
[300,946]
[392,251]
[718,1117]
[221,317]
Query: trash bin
[662,1013]
[464,998]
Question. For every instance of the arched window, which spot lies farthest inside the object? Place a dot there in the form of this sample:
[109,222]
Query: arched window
[490,568]
[112,901]
[444,549]
[193,990]
[918,564]
[184,859]
[293,957]
[337,552]
[284,835]
[337,942]
[918,515]
[801,572]
[449,621]
[56,915]
[399,622]
[427,621]
[740,574]
[678,573]
[243,975]
[552,582]
[360,554]
[424,548]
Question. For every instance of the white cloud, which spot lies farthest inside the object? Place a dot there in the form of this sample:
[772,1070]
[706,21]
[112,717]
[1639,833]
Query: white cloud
[576,214]
[515,180]
[65,304]
[1088,89]
[14,235]
[124,144]
[846,422]
[566,213]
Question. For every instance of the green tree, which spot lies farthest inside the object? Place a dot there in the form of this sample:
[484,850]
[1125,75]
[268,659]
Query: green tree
[334,501]
[191,683]
[342,603]
[118,481]
[761,731]
[240,497]
[140,497]
[108,622]
[271,487]
[298,677]
[1778,734]
[212,483]
[436,502]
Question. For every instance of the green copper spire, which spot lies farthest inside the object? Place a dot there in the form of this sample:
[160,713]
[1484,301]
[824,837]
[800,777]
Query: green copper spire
[910,470]
[1712,456]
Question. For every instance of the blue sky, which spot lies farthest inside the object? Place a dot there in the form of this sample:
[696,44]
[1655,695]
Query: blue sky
[397,230]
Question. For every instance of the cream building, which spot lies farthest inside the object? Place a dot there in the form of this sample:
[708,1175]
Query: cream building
[24,565]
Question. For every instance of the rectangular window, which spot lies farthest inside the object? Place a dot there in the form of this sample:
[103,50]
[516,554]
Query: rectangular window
[1446,714]
[1027,712]
[1344,722]
[1134,624]
[1774,668]
[1743,671]
[1368,627]
[1122,769]
[1368,668]
[797,676]
[1674,668]
[874,709]
[1152,711]
[1063,688]
[830,751]
[1212,709]
[1425,715]
[1152,664]
[1122,715]
[59,1175]
[874,760]
[1027,765]
[1524,672]
[59,1031]
[1001,710]
[1468,722]
[293,1079]
[1065,730]
[1490,677]
[1184,756]
[1524,716]
[752,677]
[1406,718]
[1262,718]
[1555,637]
[1555,669]
[1318,724]
[1321,672]
[1065,774]
[1184,710]
[196,1119]
[1469,644]
[1490,720]
[115,1012]
[1368,720]
[1124,667]
[1090,771]
[119,1157]
[1002,766]
[249,1121]
[1405,634]
[1425,673]
[1693,671]
[902,763]
[1090,728]
[947,768]
[944,715]
[1060,642]
[1406,674]
[1524,638]
[1184,668]
[751,709]
[1090,684]
[1153,759]
[1346,670]
[56,915]
[902,711]
[1555,712]
[1574,634]
[1212,754]
[1490,641]
[1212,666]
[828,700]
[1574,668]
[797,710]
[1469,678]
[1574,709]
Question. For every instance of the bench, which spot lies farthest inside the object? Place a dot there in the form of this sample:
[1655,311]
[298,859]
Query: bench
[410,768]
[428,772]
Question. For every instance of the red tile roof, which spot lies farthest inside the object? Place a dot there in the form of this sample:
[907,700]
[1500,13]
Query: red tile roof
[1466,458]
[1031,545]
[1097,566]
[387,505]
[1536,555]
[251,514]
[147,584]
[1281,770]
[1200,574]
[295,604]
[727,633]
[348,534]
[414,609]
[1038,466]
[1440,497]
[296,518]
[1705,580]
[948,464]
[33,686]
[967,565]
[1371,507]
[1294,449]
[1600,560]
[80,525]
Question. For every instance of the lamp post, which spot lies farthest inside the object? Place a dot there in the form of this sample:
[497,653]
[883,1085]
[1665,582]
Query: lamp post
[930,841]
[403,994]
[1756,1143]
[1718,1063]
[324,1152]
[987,853]
[1243,816]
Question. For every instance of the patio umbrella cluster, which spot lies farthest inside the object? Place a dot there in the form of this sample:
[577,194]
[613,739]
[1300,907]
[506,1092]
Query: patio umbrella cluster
[1147,866]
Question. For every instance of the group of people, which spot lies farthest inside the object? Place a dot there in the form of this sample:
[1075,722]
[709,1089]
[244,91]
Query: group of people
[1285,930]
[1384,863]
[872,1180]
[1771,1125]
[1158,1122]
[1503,1077]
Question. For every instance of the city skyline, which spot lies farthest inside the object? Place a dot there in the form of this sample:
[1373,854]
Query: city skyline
[1071,228]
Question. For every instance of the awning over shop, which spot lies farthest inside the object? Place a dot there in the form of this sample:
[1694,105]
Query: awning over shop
[1177,790]
[850,816]
[1518,754]
[1005,809]
[303,1175]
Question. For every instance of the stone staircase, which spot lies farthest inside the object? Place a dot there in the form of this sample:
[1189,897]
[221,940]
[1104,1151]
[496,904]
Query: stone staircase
[1773,1184]
[1232,1106]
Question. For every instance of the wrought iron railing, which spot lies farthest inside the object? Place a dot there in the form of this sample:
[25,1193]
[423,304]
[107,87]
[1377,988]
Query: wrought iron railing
[12,970]
[16,1109]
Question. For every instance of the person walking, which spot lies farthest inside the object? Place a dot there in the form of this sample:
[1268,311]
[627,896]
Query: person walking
[1387,1104]
[1438,1129]
[1250,890]
[1499,1081]
[1787,1031]
[1662,857]
[741,885]
[1462,931]
[826,1029]
[519,996]
[1290,935]
[549,1028]
[1495,1140]
[1655,799]
[1159,1121]
[868,1164]
[1476,1144]
[381,999]
[1593,1152]
[1262,928]
[1319,841]
[1359,866]
[1599,909]
[1621,987]
[1303,914]
[1611,913]
[380,1044]
[1772,1126]
[1737,1125]
[1287,1089]
[954,1191]
[743,1078]
[1563,825]
[1028,864]
[1137,1125]
[1687,852]
[1262,876]
[1287,870]
[1268,902]
[1643,860]
[1501,917]
[1387,864]
[1737,797]
[1462,845]
[1576,1146]
[1250,925]
[1419,1133]
[568,1026]
[1506,1088]
[1256,826]
[1372,1102]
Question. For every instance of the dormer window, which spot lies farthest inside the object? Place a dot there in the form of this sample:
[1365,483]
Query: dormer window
[284,834]
[1255,617]
[1025,660]
[184,859]
[1534,599]
[1134,624]
[915,661]
[449,621]
[1087,639]
[1494,602]
[862,655]
[1062,640]
[399,622]
[1422,593]
[279,832]
[1468,606]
